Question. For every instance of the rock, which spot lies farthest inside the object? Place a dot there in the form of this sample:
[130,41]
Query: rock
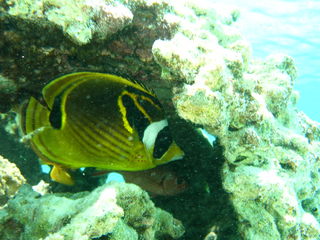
[271,156]
[10,180]
[194,57]
[116,210]
[80,20]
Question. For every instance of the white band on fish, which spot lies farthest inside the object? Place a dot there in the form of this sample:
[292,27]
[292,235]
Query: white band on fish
[151,133]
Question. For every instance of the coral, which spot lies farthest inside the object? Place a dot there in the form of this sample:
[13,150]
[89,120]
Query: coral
[193,53]
[80,20]
[116,210]
[271,148]
[10,180]
[17,152]
[47,38]
[7,88]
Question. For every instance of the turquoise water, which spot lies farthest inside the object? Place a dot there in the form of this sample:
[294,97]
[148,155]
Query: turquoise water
[291,27]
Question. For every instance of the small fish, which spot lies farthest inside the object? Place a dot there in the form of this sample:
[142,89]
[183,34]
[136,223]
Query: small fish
[99,120]
[159,181]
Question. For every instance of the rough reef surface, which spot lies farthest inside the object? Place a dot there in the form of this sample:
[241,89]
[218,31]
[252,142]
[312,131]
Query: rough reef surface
[40,40]
[200,66]
[10,180]
[270,147]
[115,210]
[79,20]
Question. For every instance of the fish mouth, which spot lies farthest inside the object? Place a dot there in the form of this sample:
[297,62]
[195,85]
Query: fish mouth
[173,153]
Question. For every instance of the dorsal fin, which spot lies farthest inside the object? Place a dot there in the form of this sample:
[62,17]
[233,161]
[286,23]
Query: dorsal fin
[59,85]
[141,84]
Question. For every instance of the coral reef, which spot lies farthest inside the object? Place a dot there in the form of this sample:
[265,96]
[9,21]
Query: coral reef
[116,210]
[192,54]
[47,38]
[10,180]
[17,152]
[7,88]
[79,20]
[271,168]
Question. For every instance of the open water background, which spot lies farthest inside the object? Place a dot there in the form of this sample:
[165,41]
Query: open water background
[291,27]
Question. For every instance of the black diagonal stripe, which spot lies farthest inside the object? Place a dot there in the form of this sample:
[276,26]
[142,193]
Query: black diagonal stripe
[88,147]
[107,142]
[108,132]
[85,142]
[92,142]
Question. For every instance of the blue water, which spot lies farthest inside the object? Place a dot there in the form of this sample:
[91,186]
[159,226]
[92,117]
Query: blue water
[290,27]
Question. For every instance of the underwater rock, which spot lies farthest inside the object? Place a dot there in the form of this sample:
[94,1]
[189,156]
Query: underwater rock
[114,210]
[10,180]
[193,53]
[80,20]
[271,149]
[7,89]
[48,38]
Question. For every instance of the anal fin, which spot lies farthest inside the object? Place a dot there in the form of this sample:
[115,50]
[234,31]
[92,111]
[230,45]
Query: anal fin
[61,175]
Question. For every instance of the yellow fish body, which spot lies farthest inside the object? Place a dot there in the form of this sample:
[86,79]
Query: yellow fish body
[98,120]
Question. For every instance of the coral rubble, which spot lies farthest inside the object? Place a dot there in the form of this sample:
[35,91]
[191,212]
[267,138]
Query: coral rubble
[117,210]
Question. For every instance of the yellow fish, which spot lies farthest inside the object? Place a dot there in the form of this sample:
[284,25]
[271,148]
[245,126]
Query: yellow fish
[99,120]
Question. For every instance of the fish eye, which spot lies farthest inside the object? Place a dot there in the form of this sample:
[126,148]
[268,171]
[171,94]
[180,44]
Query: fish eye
[162,143]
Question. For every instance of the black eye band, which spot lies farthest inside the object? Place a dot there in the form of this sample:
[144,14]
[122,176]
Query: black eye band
[162,143]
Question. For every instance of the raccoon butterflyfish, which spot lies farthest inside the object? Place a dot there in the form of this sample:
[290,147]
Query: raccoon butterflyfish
[99,120]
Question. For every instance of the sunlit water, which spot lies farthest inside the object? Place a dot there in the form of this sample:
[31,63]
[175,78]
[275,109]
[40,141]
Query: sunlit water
[291,27]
